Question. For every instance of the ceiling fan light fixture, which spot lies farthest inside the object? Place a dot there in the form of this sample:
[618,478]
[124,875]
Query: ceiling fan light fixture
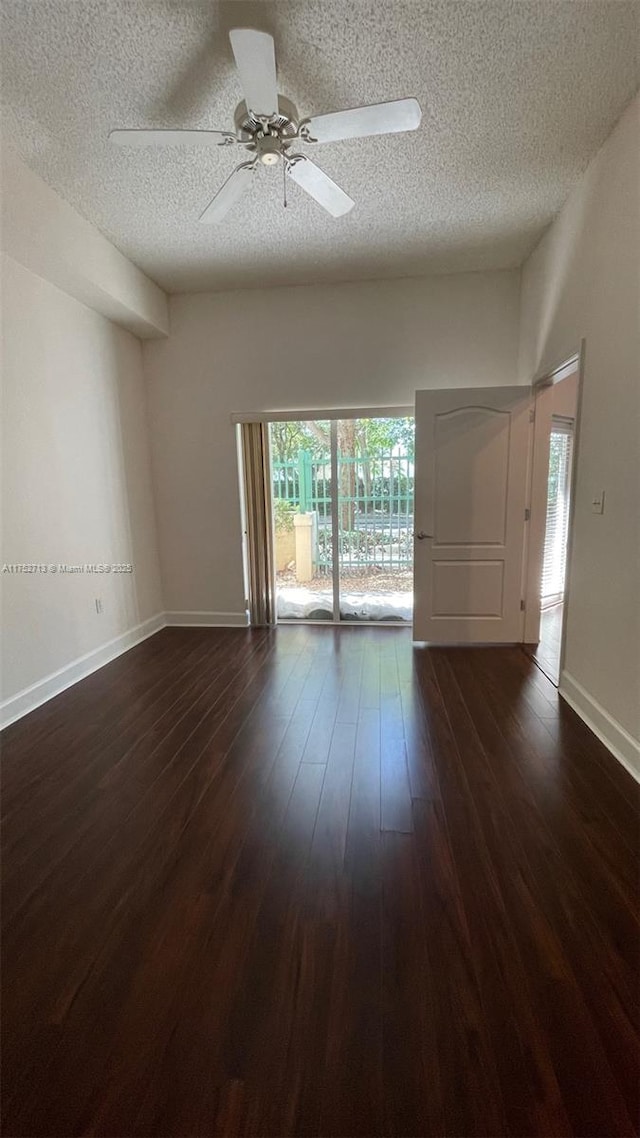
[269,149]
[267,124]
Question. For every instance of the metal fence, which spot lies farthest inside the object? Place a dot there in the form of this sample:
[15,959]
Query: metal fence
[375,508]
[304,482]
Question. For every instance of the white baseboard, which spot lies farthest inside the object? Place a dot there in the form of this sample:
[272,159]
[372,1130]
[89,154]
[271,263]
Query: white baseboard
[622,745]
[29,698]
[207,619]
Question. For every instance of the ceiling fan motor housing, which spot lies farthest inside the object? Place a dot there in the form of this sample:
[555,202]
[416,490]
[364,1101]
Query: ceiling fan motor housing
[269,136]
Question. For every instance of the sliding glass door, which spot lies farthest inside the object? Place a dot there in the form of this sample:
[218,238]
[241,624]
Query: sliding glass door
[343,518]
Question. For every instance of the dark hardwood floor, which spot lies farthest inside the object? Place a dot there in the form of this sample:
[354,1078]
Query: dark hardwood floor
[317,882]
[546,652]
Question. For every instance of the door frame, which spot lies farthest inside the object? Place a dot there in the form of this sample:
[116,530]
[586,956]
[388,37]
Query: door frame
[332,414]
[542,389]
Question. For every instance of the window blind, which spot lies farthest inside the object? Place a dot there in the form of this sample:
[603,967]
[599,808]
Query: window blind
[558,496]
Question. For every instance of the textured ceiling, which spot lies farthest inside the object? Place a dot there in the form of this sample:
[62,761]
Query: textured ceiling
[516,97]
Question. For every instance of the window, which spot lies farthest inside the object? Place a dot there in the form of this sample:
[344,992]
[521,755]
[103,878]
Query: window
[558,497]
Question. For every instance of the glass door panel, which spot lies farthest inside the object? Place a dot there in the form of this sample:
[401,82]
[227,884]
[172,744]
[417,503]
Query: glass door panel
[301,481]
[375,519]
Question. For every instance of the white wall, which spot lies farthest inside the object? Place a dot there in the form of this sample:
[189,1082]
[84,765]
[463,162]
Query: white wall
[583,280]
[45,234]
[564,396]
[76,481]
[370,344]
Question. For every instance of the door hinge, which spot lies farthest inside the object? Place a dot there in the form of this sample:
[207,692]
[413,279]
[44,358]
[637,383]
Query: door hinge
[527,515]
[521,606]
[532,414]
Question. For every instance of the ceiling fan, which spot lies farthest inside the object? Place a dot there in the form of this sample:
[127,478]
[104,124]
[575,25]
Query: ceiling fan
[267,126]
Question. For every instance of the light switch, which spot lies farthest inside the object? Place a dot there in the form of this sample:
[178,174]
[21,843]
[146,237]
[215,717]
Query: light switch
[597,503]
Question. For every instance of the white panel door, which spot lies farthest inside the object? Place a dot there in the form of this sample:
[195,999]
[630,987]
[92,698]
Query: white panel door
[471,466]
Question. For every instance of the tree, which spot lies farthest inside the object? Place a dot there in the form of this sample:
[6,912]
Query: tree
[381,436]
[287,439]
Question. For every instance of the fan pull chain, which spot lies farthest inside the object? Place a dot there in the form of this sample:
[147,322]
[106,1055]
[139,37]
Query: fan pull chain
[284,183]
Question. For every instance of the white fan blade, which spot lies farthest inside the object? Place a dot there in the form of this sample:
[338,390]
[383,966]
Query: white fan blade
[381,118]
[320,186]
[171,137]
[235,186]
[255,58]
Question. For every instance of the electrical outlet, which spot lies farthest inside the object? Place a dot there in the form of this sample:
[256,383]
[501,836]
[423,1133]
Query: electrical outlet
[597,502]
[99,608]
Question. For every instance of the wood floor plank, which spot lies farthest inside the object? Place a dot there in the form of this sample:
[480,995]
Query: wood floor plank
[178,787]
[423,778]
[353,1100]
[85,718]
[141,770]
[414,1088]
[607,985]
[608,872]
[599,1105]
[396,792]
[478,936]
[110,750]
[317,881]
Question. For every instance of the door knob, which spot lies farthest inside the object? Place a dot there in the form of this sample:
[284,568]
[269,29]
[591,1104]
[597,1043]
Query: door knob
[421,535]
